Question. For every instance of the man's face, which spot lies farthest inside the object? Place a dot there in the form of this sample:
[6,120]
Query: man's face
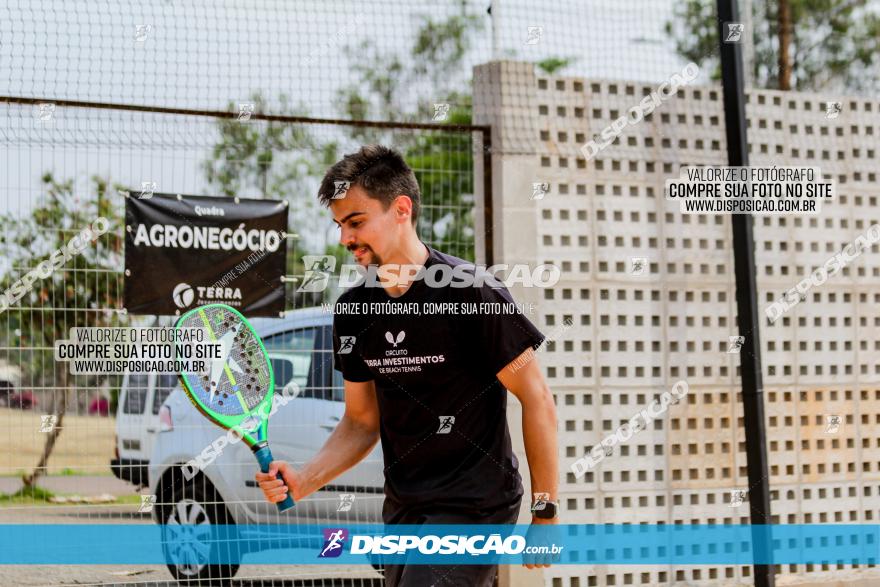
[368,231]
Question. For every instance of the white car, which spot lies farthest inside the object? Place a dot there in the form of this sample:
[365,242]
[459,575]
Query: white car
[224,492]
[137,423]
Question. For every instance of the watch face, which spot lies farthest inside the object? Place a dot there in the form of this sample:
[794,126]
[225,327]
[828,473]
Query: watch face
[539,500]
[544,510]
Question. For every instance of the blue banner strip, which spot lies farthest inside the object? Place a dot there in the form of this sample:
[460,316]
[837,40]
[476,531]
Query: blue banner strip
[571,544]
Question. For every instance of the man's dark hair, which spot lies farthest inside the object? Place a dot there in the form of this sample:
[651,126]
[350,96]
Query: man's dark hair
[381,172]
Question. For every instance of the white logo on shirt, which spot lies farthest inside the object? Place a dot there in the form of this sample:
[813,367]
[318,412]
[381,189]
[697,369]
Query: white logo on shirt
[395,341]
[446,423]
[397,360]
[346,344]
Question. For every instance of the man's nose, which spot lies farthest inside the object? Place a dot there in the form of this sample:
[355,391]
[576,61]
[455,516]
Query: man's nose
[346,238]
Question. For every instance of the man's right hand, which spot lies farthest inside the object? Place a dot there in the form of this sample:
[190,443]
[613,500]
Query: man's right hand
[352,440]
[274,489]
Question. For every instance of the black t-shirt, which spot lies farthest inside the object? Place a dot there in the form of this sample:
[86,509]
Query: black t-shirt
[432,366]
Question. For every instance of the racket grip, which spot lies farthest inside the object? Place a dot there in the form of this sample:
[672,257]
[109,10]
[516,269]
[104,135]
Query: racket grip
[264,457]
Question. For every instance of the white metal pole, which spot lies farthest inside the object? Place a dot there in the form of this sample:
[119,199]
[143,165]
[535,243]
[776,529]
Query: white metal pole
[495,15]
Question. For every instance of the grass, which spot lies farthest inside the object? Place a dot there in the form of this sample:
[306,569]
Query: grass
[26,496]
[132,499]
[39,496]
[66,472]
[84,447]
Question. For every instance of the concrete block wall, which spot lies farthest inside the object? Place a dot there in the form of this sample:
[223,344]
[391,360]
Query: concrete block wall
[634,334]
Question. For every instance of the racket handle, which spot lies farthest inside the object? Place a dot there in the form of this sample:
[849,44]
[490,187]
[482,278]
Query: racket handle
[264,457]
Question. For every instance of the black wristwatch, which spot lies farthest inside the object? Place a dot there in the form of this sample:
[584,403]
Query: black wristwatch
[545,510]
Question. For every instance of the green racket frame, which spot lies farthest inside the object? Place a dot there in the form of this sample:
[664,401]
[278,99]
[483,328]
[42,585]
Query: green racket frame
[256,438]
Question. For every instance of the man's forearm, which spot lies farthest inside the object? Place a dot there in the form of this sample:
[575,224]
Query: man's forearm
[346,447]
[539,436]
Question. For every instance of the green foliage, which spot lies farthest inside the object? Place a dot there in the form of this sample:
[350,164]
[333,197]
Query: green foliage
[552,65]
[694,29]
[84,293]
[31,496]
[440,46]
[278,160]
[390,87]
[272,157]
[835,43]
[381,77]
[387,86]
[26,496]
[443,165]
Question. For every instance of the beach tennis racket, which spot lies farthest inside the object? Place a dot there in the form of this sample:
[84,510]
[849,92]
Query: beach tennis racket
[236,390]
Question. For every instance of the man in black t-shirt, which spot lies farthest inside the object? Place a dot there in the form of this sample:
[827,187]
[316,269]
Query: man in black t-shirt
[430,384]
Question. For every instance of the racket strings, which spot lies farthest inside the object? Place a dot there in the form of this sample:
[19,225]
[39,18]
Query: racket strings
[238,383]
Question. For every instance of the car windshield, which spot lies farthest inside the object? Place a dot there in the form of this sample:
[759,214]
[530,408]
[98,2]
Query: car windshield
[165,383]
[302,339]
[135,394]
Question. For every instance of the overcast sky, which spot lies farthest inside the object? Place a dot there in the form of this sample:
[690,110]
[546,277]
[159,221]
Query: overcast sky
[205,54]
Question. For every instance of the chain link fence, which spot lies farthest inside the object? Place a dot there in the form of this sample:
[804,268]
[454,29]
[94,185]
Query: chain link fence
[519,122]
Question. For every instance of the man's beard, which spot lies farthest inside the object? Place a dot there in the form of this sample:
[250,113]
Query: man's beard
[370,255]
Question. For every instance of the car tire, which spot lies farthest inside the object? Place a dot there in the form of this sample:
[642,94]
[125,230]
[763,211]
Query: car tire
[196,503]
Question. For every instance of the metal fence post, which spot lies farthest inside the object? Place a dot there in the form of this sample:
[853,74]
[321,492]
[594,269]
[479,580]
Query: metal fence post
[746,298]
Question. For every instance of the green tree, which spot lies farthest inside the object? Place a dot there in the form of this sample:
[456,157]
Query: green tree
[274,158]
[552,65]
[798,44]
[85,292]
[442,163]
[387,86]
[278,160]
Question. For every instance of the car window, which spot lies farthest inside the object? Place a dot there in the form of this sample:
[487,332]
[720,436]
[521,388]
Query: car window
[295,362]
[283,371]
[135,394]
[310,350]
[301,339]
[165,383]
[332,386]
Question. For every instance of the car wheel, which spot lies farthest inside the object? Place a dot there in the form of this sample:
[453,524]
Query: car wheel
[190,515]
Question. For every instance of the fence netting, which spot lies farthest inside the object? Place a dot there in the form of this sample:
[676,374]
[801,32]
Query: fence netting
[586,110]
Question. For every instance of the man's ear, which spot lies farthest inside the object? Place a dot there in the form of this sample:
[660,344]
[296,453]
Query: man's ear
[403,207]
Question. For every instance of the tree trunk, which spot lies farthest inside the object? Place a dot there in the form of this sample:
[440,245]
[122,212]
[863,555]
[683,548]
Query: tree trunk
[783,25]
[30,481]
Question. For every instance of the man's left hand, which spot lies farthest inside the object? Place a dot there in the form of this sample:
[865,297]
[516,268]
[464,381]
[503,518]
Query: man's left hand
[543,533]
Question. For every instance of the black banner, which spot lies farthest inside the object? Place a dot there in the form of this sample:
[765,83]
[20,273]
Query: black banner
[186,251]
